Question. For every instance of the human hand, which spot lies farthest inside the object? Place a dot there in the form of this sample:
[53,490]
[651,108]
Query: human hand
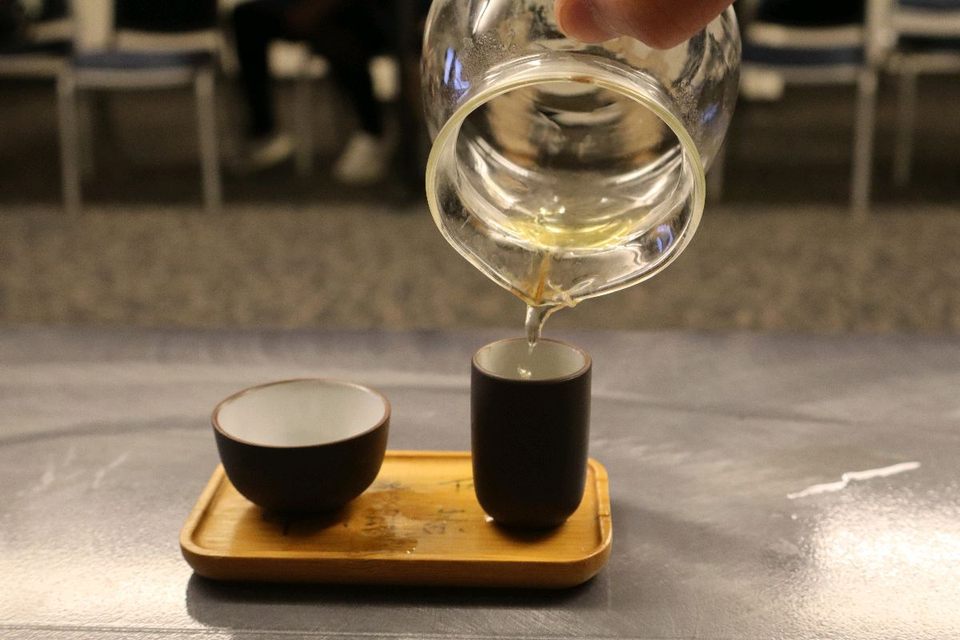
[659,23]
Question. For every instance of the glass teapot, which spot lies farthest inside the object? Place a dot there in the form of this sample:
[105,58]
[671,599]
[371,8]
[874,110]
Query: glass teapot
[565,170]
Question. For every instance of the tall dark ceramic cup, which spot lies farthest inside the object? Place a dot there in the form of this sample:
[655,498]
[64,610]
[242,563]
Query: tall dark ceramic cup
[530,426]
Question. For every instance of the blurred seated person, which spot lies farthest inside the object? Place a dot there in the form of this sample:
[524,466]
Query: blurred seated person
[811,13]
[348,33]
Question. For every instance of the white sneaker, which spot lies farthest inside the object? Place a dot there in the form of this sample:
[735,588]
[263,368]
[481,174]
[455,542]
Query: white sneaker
[363,161]
[268,151]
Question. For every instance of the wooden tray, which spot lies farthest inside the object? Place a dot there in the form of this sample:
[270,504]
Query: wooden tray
[418,524]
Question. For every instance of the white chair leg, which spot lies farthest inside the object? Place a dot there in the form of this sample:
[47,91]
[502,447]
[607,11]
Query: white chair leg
[209,151]
[906,123]
[69,142]
[304,118]
[715,177]
[863,144]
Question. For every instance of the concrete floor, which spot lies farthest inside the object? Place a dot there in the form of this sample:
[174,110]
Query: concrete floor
[778,254]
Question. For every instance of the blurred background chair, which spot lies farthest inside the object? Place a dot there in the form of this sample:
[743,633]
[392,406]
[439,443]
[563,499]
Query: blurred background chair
[155,45]
[913,38]
[45,45]
[780,48]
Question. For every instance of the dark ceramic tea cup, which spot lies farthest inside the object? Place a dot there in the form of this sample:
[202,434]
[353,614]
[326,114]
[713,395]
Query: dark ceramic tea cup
[530,425]
[302,445]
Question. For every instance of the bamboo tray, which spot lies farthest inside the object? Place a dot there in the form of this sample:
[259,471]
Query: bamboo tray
[418,524]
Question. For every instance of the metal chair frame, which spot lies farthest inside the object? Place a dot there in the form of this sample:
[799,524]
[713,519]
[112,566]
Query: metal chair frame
[894,20]
[860,74]
[202,77]
[42,65]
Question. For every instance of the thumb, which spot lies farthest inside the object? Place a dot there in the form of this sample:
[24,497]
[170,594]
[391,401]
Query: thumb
[659,23]
[582,20]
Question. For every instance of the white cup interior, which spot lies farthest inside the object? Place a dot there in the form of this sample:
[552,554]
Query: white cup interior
[301,413]
[515,360]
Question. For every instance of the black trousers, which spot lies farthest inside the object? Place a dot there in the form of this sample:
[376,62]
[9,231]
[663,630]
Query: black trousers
[811,13]
[347,33]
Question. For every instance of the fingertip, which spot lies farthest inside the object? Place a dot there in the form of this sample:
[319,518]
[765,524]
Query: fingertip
[578,19]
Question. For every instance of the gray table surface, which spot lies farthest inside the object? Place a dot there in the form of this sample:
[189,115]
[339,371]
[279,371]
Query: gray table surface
[105,446]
